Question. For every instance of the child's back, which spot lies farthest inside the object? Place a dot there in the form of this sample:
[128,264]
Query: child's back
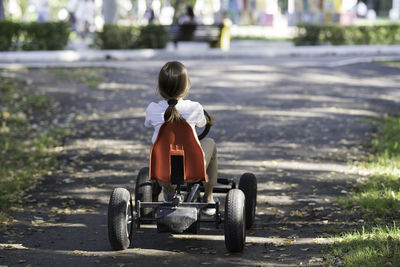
[173,85]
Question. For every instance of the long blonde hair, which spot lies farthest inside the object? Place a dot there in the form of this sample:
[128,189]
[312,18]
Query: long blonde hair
[173,83]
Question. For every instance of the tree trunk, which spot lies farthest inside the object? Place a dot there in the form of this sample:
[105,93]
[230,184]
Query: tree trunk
[110,11]
[176,6]
[377,7]
[370,4]
[2,10]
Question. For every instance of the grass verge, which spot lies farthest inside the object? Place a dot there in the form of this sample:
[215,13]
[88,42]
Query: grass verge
[25,154]
[89,76]
[377,198]
[378,246]
[264,38]
[392,63]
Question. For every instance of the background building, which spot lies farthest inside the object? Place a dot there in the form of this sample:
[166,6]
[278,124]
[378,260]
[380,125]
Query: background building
[241,12]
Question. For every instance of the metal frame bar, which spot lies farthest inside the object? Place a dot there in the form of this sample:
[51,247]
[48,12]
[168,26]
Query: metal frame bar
[217,219]
[223,181]
[197,187]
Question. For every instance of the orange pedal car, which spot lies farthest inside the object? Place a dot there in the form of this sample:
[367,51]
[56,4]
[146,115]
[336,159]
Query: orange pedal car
[177,157]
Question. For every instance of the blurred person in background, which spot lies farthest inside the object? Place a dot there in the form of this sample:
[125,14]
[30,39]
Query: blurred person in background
[42,8]
[84,15]
[149,14]
[72,7]
[188,17]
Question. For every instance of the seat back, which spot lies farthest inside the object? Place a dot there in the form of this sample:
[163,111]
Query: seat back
[176,156]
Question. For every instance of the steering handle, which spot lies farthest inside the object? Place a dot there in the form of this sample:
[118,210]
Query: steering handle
[207,127]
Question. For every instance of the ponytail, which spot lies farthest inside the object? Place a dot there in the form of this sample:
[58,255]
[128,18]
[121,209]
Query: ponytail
[173,84]
[171,114]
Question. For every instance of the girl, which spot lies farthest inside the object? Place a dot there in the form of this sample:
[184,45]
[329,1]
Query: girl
[173,86]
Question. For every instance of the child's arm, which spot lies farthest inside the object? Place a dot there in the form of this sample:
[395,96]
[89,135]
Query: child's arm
[147,122]
[201,120]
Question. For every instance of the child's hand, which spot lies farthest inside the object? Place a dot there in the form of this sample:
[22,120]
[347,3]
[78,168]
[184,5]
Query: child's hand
[210,119]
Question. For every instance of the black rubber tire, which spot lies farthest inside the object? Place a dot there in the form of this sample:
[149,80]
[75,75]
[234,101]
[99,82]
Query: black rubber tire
[156,189]
[119,208]
[248,184]
[235,224]
[144,191]
[194,228]
[162,229]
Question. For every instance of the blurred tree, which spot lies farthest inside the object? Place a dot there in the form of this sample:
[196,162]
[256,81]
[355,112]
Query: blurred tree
[381,7]
[283,4]
[110,11]
[1,10]
[23,4]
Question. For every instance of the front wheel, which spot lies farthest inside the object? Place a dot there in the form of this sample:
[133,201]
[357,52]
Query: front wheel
[120,219]
[235,224]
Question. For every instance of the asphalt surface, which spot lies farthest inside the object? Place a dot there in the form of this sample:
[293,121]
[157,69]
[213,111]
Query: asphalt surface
[297,123]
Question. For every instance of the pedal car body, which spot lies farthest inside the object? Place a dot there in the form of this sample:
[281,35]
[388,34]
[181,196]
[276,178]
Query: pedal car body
[176,157]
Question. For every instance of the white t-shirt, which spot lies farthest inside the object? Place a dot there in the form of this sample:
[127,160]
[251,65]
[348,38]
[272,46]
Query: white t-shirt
[191,111]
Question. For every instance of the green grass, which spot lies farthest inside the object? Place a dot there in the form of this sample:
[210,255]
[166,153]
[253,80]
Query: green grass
[379,194]
[391,63]
[377,199]
[378,246]
[378,21]
[89,76]
[250,37]
[24,146]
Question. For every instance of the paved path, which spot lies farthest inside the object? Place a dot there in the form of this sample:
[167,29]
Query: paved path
[295,123]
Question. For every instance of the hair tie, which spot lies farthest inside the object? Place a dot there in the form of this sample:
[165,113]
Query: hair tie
[172,102]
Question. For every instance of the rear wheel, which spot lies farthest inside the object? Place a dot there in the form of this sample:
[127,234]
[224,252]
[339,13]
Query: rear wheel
[194,228]
[144,191]
[156,189]
[248,184]
[234,224]
[120,219]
